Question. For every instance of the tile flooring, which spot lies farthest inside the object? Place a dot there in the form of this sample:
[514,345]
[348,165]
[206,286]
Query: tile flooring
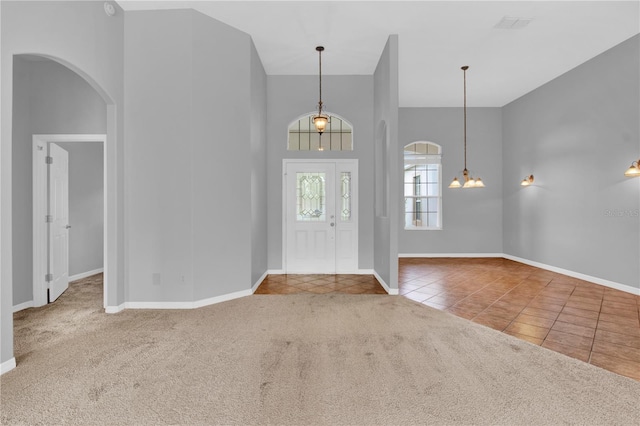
[580,319]
[318,283]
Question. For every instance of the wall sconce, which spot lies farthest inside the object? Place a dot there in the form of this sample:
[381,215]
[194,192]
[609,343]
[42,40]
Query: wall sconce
[527,181]
[634,170]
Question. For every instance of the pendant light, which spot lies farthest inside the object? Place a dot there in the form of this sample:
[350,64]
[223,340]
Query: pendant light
[320,121]
[468,181]
[634,170]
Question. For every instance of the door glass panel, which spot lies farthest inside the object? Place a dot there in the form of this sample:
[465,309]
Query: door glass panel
[345,192]
[311,196]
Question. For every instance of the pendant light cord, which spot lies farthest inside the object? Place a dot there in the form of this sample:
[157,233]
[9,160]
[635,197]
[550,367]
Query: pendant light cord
[320,49]
[464,70]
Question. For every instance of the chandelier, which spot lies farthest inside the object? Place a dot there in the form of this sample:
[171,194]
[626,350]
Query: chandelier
[468,181]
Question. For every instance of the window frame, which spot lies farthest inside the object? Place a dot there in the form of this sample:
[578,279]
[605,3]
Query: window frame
[327,136]
[417,199]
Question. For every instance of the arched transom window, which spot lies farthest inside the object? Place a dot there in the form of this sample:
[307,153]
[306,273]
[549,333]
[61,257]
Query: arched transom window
[422,186]
[338,136]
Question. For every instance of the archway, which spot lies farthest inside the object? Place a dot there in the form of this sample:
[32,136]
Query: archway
[109,128]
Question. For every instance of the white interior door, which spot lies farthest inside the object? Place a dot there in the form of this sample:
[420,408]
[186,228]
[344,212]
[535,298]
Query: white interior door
[58,183]
[321,217]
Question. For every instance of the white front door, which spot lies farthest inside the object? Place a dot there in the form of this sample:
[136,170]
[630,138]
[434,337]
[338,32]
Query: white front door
[321,228]
[59,223]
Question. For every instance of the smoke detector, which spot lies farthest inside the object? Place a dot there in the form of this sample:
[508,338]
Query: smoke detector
[109,9]
[512,23]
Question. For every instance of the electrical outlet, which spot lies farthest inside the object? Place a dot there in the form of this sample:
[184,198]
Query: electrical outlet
[156,278]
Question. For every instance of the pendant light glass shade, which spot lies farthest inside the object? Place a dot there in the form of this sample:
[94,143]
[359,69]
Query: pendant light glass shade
[320,121]
[634,170]
[469,182]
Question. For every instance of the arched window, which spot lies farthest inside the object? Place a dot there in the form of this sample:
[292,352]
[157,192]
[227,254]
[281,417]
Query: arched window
[422,186]
[338,136]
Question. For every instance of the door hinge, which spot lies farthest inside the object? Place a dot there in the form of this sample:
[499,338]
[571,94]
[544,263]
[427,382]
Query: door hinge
[48,218]
[49,159]
[48,278]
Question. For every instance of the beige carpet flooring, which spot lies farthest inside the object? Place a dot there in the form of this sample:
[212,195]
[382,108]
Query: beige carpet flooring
[296,359]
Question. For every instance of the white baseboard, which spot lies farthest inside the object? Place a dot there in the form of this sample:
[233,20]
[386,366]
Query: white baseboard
[356,272]
[222,298]
[85,274]
[7,366]
[159,305]
[188,305]
[390,291]
[114,309]
[22,306]
[257,283]
[595,280]
[427,255]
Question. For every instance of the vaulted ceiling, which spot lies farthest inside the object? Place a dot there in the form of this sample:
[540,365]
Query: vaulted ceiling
[435,39]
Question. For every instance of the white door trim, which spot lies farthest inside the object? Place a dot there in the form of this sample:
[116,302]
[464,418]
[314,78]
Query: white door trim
[351,161]
[40,266]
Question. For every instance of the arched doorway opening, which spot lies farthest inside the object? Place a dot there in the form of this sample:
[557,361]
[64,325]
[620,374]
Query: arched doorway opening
[50,110]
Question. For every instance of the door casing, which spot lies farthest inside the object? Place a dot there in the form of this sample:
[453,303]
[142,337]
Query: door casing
[353,166]
[40,230]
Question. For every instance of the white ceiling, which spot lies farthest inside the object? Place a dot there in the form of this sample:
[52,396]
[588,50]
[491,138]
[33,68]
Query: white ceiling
[435,39]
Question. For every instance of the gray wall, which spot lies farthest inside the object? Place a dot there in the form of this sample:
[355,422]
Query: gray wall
[158,58]
[86,206]
[289,97]
[259,187]
[387,171]
[81,35]
[50,99]
[471,218]
[188,156]
[577,134]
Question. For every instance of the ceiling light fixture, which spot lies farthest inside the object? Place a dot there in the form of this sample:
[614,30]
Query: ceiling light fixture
[469,182]
[527,181]
[321,119]
[634,170]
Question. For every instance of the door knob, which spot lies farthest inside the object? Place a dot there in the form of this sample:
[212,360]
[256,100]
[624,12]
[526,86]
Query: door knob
[68,227]
[333,224]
